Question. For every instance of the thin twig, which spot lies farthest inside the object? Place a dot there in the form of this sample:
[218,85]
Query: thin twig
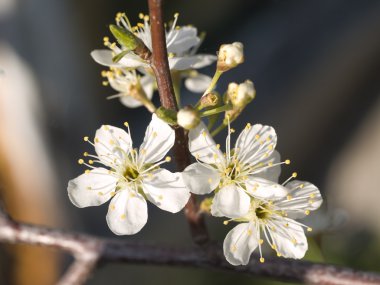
[88,249]
[160,66]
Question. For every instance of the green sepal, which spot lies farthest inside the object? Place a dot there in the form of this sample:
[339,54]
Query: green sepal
[167,115]
[124,37]
[119,56]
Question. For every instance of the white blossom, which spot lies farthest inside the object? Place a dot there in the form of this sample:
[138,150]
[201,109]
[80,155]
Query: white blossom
[273,221]
[251,168]
[230,55]
[133,90]
[241,94]
[182,45]
[129,177]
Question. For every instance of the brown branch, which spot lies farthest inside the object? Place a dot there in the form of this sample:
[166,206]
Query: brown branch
[87,250]
[160,65]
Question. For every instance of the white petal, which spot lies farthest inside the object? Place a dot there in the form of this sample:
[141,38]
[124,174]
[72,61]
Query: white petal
[185,38]
[290,241]
[148,84]
[112,144]
[265,189]
[104,57]
[271,173]
[202,146]
[256,143]
[181,63]
[91,189]
[127,213]
[200,179]
[203,60]
[239,244]
[231,201]
[199,83]
[166,190]
[129,101]
[303,198]
[191,62]
[158,140]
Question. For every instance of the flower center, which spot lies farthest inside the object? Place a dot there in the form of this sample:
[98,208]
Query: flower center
[131,174]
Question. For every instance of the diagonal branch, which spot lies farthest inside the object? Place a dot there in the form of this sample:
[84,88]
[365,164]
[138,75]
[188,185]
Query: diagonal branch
[160,66]
[87,250]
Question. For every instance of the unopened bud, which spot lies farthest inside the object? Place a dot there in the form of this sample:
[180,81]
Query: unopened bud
[210,100]
[230,55]
[241,94]
[188,118]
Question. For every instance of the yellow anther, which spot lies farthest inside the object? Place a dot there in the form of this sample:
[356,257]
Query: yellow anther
[270,163]
[270,147]
[311,201]
[249,232]
[273,246]
[140,25]
[248,126]
[146,18]
[104,73]
[294,241]
[80,161]
[278,254]
[90,161]
[289,197]
[312,195]
[307,212]
[287,161]
[309,229]
[233,248]
[85,153]
[112,207]
[302,185]
[176,15]
[218,146]
[209,180]
[168,159]
[261,241]
[225,223]
[257,137]
[232,130]
[106,39]
[287,225]
[141,16]
[262,260]
[113,193]
[294,174]
[87,171]
[126,124]
[105,83]
[85,138]
[155,134]
[123,216]
[204,133]
[100,193]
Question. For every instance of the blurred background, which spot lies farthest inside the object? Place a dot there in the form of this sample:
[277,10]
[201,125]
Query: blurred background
[316,68]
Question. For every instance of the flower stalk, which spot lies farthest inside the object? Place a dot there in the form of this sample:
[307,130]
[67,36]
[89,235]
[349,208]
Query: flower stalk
[160,67]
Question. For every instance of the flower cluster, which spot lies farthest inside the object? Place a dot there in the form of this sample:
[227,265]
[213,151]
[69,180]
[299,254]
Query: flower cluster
[241,183]
[182,45]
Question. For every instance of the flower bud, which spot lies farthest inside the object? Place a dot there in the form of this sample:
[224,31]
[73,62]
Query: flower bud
[241,94]
[230,55]
[209,100]
[188,118]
